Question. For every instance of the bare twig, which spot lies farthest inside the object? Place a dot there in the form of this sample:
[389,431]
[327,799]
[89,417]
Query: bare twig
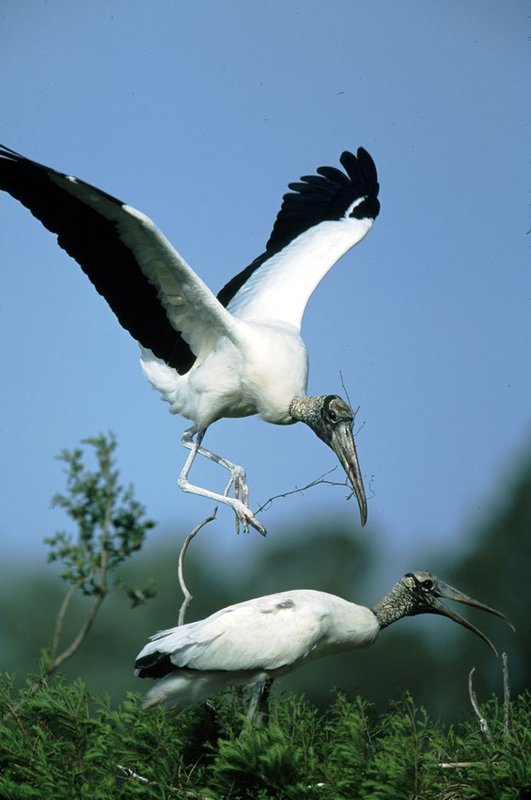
[67,599]
[316,482]
[344,387]
[506,696]
[188,597]
[130,774]
[483,724]
[76,643]
[349,400]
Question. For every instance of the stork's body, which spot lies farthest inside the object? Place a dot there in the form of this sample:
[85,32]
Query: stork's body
[239,378]
[267,637]
[233,355]
[242,644]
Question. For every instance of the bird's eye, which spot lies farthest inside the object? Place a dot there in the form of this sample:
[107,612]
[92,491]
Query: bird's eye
[328,414]
[428,584]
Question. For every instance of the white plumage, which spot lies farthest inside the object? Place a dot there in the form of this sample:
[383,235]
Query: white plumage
[233,355]
[264,638]
[243,643]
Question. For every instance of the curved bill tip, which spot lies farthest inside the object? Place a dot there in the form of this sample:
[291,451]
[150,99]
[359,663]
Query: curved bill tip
[342,443]
[449,593]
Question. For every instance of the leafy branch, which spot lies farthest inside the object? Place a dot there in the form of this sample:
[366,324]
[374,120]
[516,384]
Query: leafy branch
[111,526]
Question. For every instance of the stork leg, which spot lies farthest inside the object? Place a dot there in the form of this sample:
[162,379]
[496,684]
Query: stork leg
[244,515]
[259,705]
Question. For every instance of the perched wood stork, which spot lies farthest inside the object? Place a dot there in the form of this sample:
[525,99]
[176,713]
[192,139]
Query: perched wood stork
[262,639]
[233,355]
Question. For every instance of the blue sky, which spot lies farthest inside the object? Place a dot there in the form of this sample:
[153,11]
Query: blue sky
[199,114]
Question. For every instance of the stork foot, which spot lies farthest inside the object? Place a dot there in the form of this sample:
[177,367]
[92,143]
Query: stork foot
[238,479]
[245,517]
[259,707]
[240,502]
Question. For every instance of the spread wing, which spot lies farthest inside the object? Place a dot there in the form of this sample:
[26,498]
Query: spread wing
[154,293]
[319,221]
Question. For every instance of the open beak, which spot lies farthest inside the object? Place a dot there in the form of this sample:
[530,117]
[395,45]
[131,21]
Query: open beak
[449,593]
[342,443]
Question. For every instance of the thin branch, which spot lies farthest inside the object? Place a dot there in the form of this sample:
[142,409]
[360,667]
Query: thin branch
[69,651]
[349,400]
[345,389]
[76,643]
[130,774]
[67,599]
[483,724]
[188,597]
[56,662]
[506,696]
[301,489]
[13,712]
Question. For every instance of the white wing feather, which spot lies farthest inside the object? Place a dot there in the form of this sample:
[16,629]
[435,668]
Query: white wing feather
[247,636]
[279,290]
[267,633]
[192,308]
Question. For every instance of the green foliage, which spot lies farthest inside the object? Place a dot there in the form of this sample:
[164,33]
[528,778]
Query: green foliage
[110,528]
[111,524]
[61,742]
[403,763]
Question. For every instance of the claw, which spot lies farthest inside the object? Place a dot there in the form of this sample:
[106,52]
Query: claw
[245,517]
[240,502]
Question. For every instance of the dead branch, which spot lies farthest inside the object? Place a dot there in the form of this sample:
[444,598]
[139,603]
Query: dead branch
[188,597]
[301,489]
[506,696]
[129,774]
[483,724]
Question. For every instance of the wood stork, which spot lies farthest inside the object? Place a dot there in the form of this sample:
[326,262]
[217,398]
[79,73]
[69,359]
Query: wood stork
[234,355]
[262,639]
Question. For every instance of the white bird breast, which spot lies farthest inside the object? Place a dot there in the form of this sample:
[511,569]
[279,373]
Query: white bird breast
[275,368]
[261,373]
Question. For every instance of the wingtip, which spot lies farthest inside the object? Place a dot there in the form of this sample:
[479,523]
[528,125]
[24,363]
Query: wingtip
[361,167]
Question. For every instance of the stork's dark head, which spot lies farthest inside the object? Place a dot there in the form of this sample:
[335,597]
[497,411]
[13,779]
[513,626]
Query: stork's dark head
[420,593]
[332,420]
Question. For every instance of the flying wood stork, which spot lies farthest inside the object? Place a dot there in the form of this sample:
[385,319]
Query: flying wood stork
[234,355]
[262,639]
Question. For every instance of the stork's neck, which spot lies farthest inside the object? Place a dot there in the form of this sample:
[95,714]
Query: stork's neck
[304,408]
[396,604]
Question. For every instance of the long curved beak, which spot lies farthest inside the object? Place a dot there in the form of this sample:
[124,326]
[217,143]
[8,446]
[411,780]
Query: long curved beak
[449,593]
[342,443]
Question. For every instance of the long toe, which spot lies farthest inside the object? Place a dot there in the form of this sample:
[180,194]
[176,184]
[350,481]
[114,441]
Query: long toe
[238,479]
[245,517]
[257,526]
